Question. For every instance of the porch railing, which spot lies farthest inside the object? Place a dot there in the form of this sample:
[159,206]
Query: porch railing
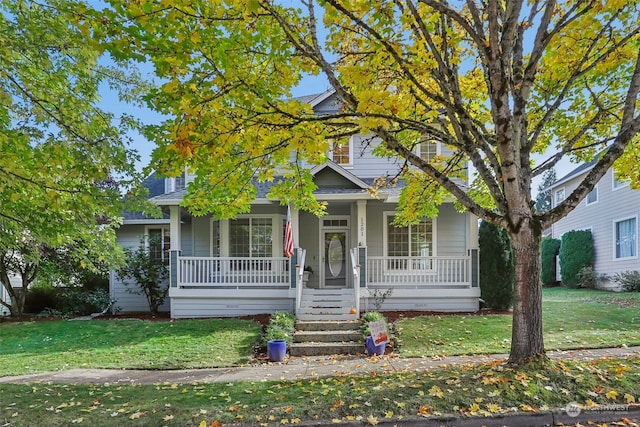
[418,271]
[233,272]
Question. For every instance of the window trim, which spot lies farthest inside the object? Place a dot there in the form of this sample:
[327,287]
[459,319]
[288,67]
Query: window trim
[350,144]
[385,243]
[622,184]
[586,199]
[438,145]
[555,196]
[165,231]
[614,232]
[275,227]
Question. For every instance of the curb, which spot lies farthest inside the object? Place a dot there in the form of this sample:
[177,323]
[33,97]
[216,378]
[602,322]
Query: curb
[520,419]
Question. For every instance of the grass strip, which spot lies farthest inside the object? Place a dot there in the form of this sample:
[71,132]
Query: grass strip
[464,391]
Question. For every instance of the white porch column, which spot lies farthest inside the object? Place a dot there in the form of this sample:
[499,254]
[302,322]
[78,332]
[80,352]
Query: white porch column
[174,245]
[362,222]
[174,233]
[473,232]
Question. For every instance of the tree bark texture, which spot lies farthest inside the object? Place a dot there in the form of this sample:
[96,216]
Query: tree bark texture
[526,336]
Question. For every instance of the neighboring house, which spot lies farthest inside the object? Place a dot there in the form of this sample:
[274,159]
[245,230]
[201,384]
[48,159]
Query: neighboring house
[16,283]
[610,211]
[237,267]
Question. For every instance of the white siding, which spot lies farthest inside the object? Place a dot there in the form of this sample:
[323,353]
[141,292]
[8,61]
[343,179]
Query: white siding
[600,218]
[192,303]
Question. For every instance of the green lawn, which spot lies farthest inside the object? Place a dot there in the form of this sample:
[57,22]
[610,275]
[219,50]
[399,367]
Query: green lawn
[572,319]
[464,391]
[125,344]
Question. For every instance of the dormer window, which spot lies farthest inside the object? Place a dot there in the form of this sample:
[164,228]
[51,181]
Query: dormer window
[175,183]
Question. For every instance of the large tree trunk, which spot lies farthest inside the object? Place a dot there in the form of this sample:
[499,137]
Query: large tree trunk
[526,337]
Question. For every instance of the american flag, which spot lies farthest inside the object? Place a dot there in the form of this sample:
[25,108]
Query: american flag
[288,236]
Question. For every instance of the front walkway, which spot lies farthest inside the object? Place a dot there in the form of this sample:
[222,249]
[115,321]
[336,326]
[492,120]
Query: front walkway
[294,368]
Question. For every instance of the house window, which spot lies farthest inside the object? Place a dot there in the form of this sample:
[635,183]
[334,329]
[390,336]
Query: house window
[175,184]
[215,238]
[592,197]
[342,151]
[618,183]
[428,149]
[251,237]
[559,196]
[625,238]
[415,240]
[159,244]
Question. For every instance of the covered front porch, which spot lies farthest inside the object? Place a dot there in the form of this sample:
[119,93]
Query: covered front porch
[231,286]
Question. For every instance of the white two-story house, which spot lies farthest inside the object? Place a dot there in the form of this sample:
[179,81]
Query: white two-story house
[610,212]
[353,253]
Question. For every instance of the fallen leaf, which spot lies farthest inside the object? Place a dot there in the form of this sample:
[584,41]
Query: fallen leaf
[372,420]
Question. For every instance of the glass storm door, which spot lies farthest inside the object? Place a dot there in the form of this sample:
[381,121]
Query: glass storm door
[335,258]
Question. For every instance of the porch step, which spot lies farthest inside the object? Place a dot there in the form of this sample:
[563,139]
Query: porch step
[327,304]
[323,338]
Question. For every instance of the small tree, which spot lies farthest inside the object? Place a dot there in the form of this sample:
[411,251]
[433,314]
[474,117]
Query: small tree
[548,252]
[149,273]
[543,199]
[496,266]
[576,252]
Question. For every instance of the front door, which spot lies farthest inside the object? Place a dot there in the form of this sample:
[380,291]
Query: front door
[335,260]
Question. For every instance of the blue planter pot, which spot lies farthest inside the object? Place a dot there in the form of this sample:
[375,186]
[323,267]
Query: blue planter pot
[375,349]
[277,350]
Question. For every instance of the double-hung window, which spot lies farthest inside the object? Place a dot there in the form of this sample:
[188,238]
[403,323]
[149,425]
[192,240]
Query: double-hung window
[408,246]
[626,238]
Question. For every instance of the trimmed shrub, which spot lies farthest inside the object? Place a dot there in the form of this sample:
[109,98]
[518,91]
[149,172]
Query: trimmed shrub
[576,252]
[497,270]
[549,249]
[629,281]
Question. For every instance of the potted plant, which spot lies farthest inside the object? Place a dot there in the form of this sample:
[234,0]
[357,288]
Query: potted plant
[307,272]
[278,334]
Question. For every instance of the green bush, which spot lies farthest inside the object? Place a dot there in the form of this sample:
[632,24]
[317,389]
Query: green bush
[576,252]
[76,301]
[549,250]
[368,317]
[589,279]
[40,298]
[629,281]
[281,327]
[497,272]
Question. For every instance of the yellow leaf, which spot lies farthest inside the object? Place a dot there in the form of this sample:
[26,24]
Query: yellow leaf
[629,398]
[372,420]
[474,408]
[336,420]
[167,418]
[137,415]
[613,395]
[202,424]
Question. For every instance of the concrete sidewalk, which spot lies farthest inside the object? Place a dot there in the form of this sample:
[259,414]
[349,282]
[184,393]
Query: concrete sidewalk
[294,368]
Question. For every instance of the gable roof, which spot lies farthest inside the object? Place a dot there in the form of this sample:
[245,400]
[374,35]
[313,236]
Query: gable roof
[317,171]
[580,170]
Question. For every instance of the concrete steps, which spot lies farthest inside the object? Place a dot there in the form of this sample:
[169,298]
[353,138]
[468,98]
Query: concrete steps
[324,338]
